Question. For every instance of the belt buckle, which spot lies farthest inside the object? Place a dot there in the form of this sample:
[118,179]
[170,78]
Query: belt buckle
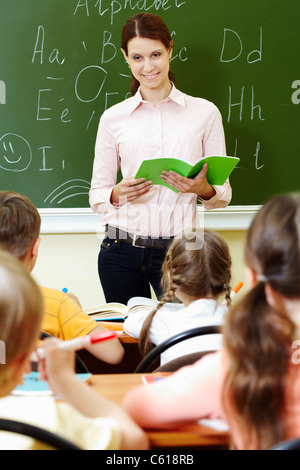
[135,236]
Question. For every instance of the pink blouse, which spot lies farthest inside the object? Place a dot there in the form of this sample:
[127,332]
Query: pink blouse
[181,126]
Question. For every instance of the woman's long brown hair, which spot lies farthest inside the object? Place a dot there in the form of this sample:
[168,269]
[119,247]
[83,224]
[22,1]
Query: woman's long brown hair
[257,337]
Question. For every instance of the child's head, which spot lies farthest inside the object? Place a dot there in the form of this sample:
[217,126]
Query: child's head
[199,269]
[259,329]
[273,244]
[21,310]
[20,224]
[193,270]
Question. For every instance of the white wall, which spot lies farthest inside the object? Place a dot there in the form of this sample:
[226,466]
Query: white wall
[70,260]
[70,243]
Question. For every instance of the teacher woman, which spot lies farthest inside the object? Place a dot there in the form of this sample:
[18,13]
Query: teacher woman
[157,121]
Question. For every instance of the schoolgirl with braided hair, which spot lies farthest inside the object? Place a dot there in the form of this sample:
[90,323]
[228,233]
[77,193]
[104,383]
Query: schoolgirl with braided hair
[197,273]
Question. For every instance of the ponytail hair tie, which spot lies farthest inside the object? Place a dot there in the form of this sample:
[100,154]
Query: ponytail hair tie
[262,278]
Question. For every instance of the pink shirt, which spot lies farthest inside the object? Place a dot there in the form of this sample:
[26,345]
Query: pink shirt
[195,392]
[134,130]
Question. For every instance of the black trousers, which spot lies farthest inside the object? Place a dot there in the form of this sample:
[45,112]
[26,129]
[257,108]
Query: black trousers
[127,271]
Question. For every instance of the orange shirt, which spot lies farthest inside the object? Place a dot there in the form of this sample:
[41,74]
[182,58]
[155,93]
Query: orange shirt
[62,316]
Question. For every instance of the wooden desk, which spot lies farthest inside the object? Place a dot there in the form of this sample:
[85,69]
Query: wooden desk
[115,387]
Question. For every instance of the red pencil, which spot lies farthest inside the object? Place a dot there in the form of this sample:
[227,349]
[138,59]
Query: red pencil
[82,342]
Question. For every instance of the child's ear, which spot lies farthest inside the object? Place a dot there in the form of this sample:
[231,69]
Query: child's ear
[20,365]
[35,248]
[251,277]
[14,373]
[274,298]
[32,255]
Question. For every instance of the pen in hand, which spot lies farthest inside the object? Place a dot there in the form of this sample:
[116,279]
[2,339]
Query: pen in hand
[80,343]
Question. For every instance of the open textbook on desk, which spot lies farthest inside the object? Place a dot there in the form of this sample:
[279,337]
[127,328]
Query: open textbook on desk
[115,311]
[218,169]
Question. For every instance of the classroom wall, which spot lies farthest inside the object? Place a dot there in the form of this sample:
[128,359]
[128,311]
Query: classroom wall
[70,260]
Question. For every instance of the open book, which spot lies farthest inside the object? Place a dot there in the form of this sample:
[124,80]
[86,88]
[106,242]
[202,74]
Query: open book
[115,311]
[218,169]
[118,312]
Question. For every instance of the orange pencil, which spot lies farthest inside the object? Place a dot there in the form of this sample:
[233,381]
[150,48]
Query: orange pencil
[235,290]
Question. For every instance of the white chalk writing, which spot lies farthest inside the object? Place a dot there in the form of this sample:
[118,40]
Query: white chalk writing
[2,92]
[296,93]
[232,50]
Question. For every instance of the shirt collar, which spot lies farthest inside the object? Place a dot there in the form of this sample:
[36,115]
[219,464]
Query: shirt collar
[176,95]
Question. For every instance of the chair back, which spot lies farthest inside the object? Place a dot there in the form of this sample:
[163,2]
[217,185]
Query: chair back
[168,343]
[182,361]
[37,433]
[290,444]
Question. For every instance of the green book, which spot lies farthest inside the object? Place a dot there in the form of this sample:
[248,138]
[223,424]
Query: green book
[218,169]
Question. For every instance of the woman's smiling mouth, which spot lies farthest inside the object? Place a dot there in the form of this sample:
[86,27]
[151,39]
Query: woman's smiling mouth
[152,76]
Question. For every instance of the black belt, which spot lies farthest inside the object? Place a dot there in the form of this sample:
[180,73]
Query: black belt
[140,241]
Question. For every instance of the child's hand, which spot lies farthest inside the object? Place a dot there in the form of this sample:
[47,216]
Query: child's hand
[57,365]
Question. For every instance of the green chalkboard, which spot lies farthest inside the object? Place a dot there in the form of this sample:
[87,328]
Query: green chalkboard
[61,67]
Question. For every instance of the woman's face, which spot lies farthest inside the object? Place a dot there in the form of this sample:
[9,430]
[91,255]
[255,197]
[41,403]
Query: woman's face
[149,62]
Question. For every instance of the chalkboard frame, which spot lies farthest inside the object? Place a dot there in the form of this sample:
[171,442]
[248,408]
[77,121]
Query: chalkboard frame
[84,220]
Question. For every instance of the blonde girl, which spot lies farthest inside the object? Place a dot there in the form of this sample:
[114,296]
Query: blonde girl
[97,423]
[21,311]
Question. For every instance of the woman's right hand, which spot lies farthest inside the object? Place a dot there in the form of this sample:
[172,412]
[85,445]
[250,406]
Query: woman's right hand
[129,189]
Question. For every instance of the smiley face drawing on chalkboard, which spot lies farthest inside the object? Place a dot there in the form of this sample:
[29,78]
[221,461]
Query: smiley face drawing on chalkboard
[15,153]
